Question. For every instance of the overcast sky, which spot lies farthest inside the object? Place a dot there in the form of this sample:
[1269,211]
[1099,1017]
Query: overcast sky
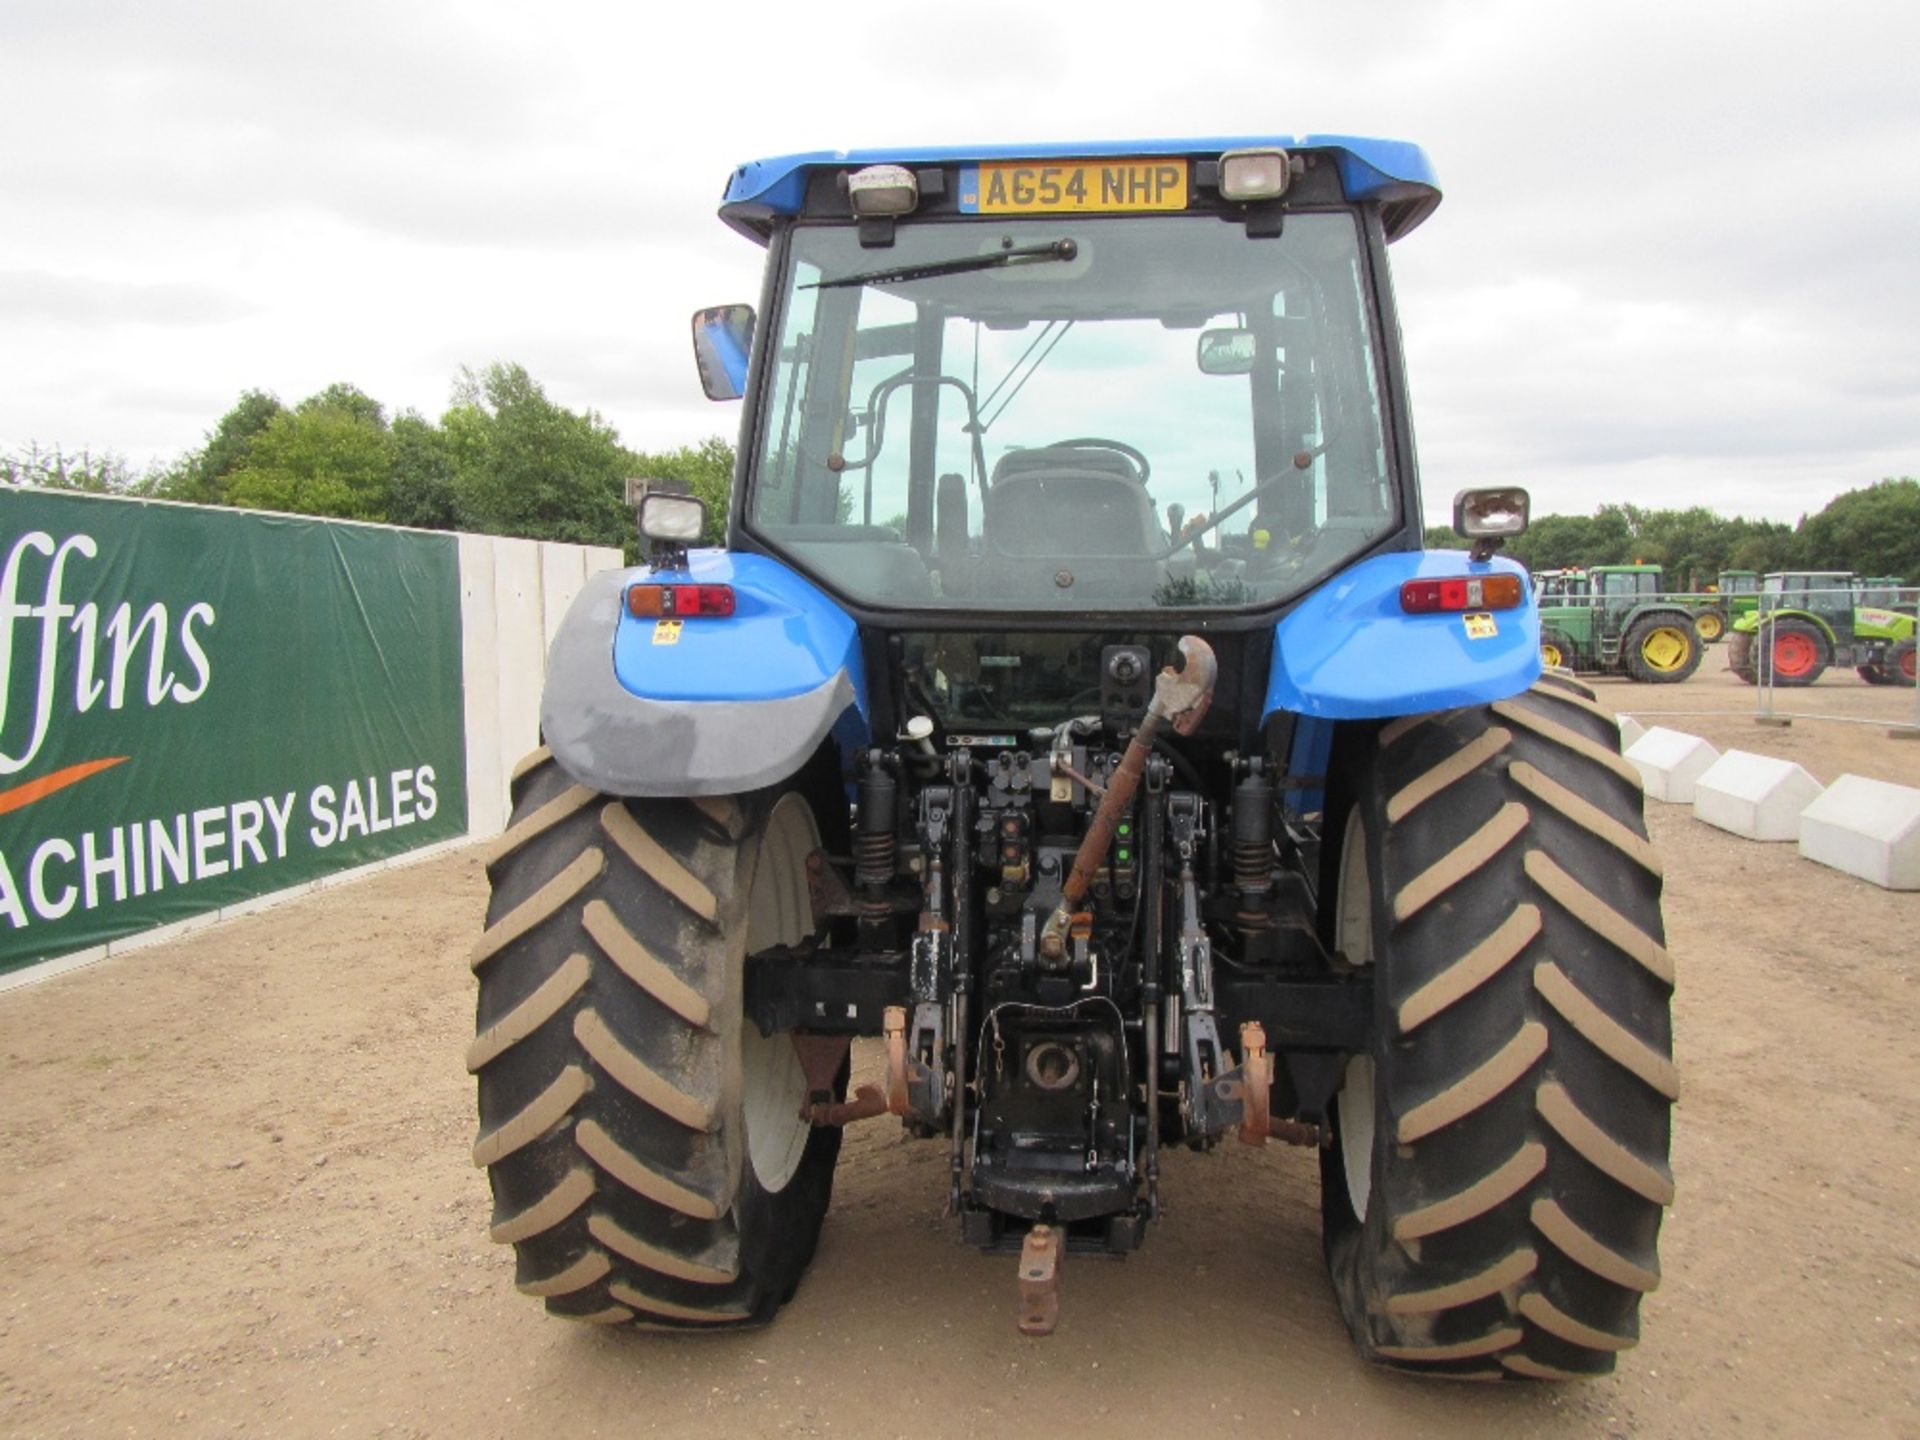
[1675,263]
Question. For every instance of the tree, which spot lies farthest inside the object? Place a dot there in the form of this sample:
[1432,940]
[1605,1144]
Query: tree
[348,400]
[331,455]
[422,491]
[523,465]
[1762,546]
[1561,542]
[201,477]
[97,474]
[1875,531]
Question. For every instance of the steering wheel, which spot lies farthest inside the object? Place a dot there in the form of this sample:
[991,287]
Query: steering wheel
[1095,442]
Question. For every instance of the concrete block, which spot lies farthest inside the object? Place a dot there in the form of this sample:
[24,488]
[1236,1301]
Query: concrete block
[521,658]
[1630,732]
[480,669]
[563,570]
[1755,796]
[1669,762]
[1866,828]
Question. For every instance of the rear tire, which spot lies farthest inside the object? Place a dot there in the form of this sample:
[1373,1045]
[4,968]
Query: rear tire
[1556,649]
[1900,664]
[1800,653]
[643,1142]
[1661,650]
[1493,1197]
[1740,650]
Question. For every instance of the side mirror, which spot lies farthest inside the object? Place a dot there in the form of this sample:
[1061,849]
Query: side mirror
[722,339]
[1226,352]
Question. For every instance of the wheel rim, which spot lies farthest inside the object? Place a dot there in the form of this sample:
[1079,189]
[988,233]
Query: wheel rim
[1665,649]
[1709,627]
[1907,667]
[1550,653]
[1793,654]
[1353,937]
[779,912]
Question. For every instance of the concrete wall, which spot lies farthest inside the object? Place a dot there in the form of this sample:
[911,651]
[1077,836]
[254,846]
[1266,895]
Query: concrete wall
[513,595]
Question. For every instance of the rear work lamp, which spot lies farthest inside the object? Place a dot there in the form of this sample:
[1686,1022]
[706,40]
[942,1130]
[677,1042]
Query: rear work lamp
[669,519]
[677,519]
[1254,174]
[1488,517]
[883,190]
[1461,592]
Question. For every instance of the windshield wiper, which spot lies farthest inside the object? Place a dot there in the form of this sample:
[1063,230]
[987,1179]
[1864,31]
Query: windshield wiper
[959,265]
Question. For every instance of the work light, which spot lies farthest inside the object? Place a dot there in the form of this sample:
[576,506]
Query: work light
[1254,174]
[677,519]
[883,190]
[1501,512]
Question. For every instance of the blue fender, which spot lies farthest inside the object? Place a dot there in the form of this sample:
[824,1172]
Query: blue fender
[1349,652]
[707,706]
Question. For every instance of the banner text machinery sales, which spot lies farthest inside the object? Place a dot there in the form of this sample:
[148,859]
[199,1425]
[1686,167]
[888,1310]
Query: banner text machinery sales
[62,659]
[125,862]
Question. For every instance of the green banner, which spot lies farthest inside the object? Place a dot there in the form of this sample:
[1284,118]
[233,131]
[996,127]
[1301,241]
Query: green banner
[204,705]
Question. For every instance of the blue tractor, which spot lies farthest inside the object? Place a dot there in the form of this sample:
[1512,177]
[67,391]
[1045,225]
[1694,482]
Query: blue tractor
[1073,708]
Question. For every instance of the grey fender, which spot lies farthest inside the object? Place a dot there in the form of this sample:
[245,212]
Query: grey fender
[609,738]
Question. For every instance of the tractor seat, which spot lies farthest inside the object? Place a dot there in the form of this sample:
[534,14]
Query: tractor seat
[1038,517]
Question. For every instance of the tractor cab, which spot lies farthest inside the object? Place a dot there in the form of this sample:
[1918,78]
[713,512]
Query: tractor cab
[1048,384]
[1561,587]
[1885,592]
[1736,594]
[1828,594]
[1620,588]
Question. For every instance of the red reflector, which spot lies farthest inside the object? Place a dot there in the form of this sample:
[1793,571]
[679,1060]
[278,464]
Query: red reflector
[1418,597]
[679,602]
[1463,592]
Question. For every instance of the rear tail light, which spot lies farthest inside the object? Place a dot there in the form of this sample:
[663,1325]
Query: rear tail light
[1463,592]
[678,602]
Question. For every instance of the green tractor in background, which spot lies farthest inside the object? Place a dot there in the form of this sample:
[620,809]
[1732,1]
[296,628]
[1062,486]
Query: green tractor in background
[1619,623]
[1886,592]
[1737,594]
[1560,587]
[1812,621]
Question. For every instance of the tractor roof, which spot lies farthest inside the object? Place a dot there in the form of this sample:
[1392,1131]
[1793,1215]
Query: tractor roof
[1393,172]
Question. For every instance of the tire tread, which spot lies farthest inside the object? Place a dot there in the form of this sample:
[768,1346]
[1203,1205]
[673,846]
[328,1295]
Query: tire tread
[610,1099]
[1523,1060]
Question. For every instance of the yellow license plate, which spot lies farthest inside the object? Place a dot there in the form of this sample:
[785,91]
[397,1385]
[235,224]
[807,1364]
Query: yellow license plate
[1075,186]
